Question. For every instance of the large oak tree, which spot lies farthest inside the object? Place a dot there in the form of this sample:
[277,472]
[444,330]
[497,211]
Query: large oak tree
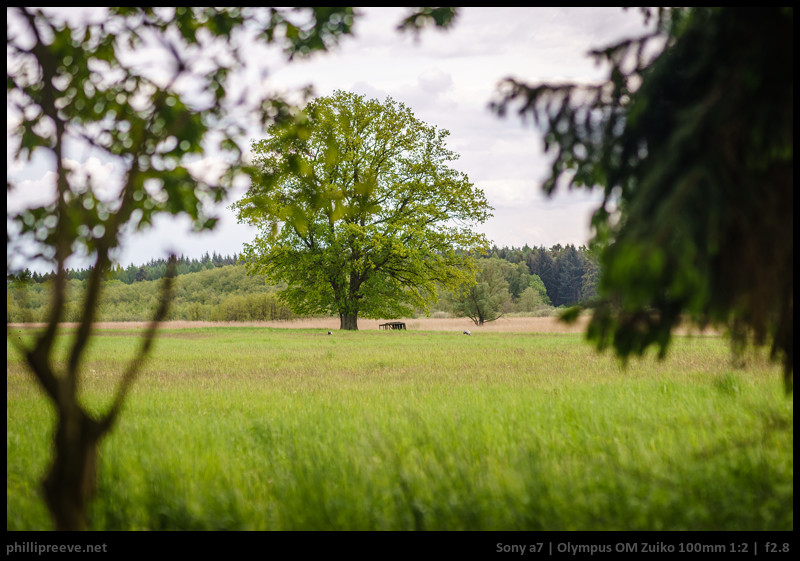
[360,211]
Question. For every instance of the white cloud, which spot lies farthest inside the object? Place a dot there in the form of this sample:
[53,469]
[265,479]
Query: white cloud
[32,192]
[105,183]
[209,169]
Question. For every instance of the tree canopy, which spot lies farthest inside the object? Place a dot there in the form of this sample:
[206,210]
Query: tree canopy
[691,141]
[360,211]
[484,299]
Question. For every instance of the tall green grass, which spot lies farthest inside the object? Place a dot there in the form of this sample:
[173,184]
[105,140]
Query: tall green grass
[265,429]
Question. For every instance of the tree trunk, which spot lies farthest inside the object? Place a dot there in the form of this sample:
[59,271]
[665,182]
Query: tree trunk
[348,321]
[72,479]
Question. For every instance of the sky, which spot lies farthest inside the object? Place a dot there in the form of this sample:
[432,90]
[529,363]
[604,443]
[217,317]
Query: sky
[447,78]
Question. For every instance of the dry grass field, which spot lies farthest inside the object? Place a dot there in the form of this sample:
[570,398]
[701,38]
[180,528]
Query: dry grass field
[507,325]
[511,325]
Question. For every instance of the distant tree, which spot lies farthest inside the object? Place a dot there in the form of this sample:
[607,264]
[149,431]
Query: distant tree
[518,278]
[142,275]
[531,299]
[534,295]
[360,212]
[484,299]
[691,141]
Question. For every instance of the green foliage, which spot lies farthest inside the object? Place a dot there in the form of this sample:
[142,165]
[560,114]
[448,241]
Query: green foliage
[359,210]
[499,287]
[691,142]
[154,269]
[484,300]
[440,16]
[534,297]
[225,293]
[251,307]
[569,273]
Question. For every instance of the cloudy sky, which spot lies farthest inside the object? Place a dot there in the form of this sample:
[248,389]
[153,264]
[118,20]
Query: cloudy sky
[447,78]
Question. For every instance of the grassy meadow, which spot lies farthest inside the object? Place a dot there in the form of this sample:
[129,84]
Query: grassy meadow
[257,428]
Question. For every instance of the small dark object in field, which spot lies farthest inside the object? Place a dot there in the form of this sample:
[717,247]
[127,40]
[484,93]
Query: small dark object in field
[329,332]
[467,333]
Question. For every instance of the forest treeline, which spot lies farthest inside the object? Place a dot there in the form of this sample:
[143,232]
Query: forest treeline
[153,270]
[218,288]
[569,273]
[224,293]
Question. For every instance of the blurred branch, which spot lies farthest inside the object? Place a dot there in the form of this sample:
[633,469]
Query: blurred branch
[146,343]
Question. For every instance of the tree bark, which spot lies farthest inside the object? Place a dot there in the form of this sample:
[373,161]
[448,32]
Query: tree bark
[72,478]
[348,322]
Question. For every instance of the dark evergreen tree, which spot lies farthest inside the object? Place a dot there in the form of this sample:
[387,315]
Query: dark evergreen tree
[691,141]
